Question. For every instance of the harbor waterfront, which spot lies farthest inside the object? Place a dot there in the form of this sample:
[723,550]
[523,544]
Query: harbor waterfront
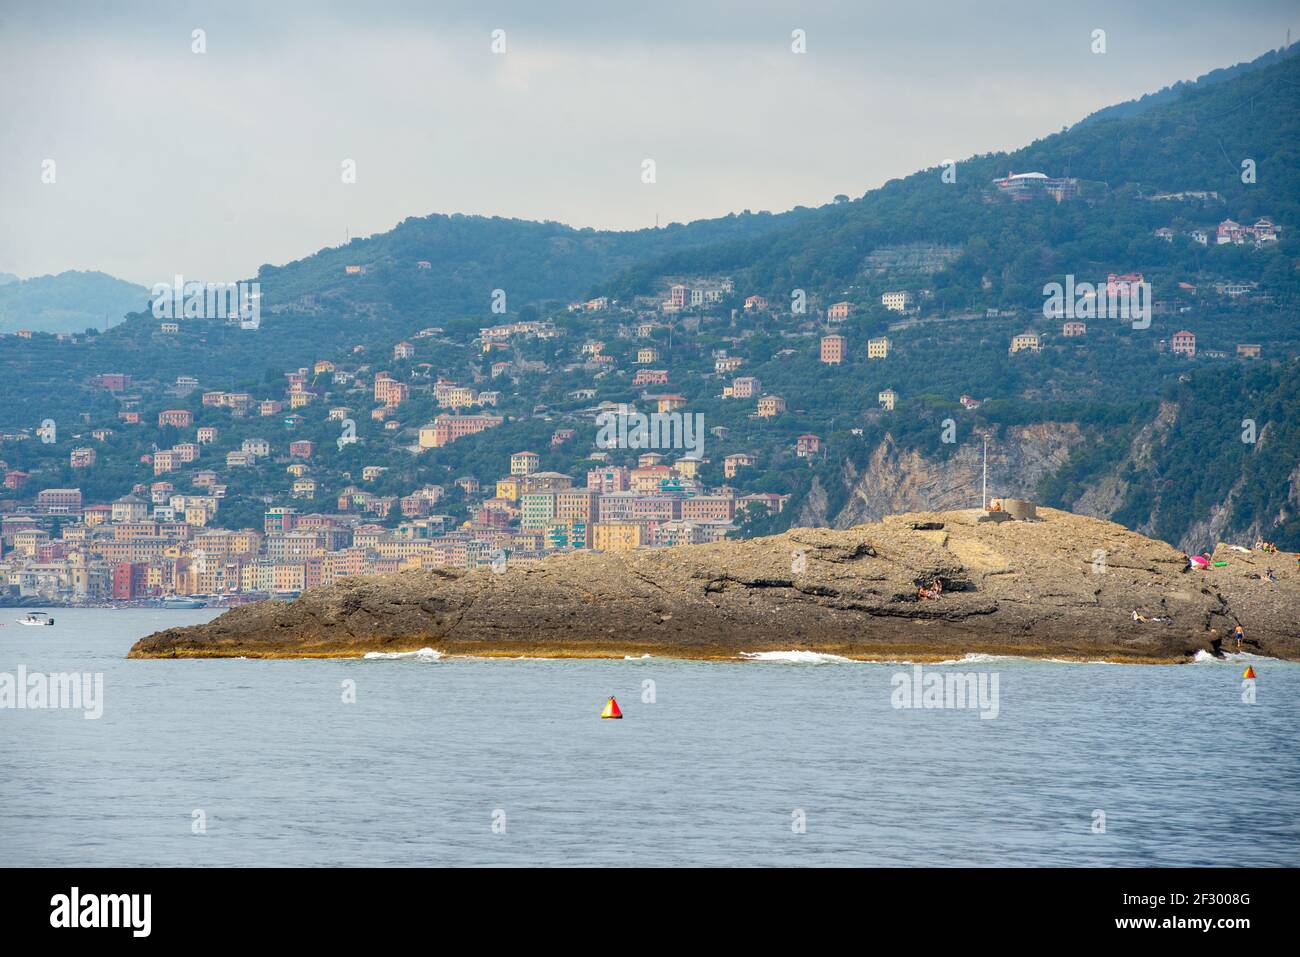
[789,759]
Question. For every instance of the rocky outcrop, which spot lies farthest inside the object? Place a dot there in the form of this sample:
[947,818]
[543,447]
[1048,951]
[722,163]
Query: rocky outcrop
[1065,586]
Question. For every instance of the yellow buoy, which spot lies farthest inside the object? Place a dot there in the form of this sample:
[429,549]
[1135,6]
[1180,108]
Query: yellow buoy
[611,709]
[1249,673]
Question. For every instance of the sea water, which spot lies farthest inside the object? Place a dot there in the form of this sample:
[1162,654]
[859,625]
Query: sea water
[787,760]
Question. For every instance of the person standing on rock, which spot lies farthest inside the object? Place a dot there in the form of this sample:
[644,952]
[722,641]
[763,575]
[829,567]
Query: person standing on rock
[1238,633]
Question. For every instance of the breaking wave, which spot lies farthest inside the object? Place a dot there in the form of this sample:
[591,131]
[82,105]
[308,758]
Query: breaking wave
[795,657]
[424,654]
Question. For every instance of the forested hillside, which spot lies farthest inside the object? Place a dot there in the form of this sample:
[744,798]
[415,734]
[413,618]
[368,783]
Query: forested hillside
[1113,422]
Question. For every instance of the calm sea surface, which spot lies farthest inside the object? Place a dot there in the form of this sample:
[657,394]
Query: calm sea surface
[720,769]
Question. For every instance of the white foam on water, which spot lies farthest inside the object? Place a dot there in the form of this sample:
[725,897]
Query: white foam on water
[795,657]
[1230,657]
[424,654]
[977,657]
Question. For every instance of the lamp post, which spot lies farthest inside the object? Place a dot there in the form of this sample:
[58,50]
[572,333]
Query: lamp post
[985,494]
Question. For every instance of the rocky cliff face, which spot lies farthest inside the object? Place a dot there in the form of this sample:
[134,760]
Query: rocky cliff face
[897,481]
[1064,586]
[1105,497]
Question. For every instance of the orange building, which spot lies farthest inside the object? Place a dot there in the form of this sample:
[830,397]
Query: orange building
[833,349]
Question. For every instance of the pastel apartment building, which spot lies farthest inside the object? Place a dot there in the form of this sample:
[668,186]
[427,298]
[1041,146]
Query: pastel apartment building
[447,428]
[887,399]
[733,463]
[770,406]
[606,481]
[618,536]
[878,348]
[180,418]
[1234,233]
[839,311]
[524,463]
[389,390]
[807,445]
[745,387]
[1025,341]
[897,301]
[1074,328]
[1184,344]
[833,349]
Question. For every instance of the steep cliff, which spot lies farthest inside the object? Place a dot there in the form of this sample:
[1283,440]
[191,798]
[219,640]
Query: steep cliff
[898,480]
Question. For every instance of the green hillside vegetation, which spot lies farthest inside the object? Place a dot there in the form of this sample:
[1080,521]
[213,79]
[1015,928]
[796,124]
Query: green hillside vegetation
[69,302]
[975,263]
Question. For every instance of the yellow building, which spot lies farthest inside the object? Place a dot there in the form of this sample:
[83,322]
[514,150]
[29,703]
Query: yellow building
[688,467]
[508,488]
[617,536]
[289,576]
[878,348]
[1026,340]
[524,463]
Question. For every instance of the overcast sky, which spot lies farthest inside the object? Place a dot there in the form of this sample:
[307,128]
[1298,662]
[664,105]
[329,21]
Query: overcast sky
[168,161]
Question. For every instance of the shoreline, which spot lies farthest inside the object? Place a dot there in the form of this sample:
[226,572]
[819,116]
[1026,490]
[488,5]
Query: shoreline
[902,655]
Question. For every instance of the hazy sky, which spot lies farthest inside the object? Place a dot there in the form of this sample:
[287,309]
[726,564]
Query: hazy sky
[168,161]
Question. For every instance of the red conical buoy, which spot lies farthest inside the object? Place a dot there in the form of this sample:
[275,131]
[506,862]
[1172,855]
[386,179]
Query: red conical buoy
[1250,673]
[611,709]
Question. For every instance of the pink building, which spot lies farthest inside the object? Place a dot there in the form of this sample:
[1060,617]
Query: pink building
[807,445]
[650,377]
[1184,344]
[615,478]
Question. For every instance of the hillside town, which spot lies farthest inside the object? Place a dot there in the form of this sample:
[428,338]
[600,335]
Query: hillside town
[158,489]
[155,542]
[163,539]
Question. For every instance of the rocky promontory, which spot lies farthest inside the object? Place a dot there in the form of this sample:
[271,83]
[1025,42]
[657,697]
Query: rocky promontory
[1063,586]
